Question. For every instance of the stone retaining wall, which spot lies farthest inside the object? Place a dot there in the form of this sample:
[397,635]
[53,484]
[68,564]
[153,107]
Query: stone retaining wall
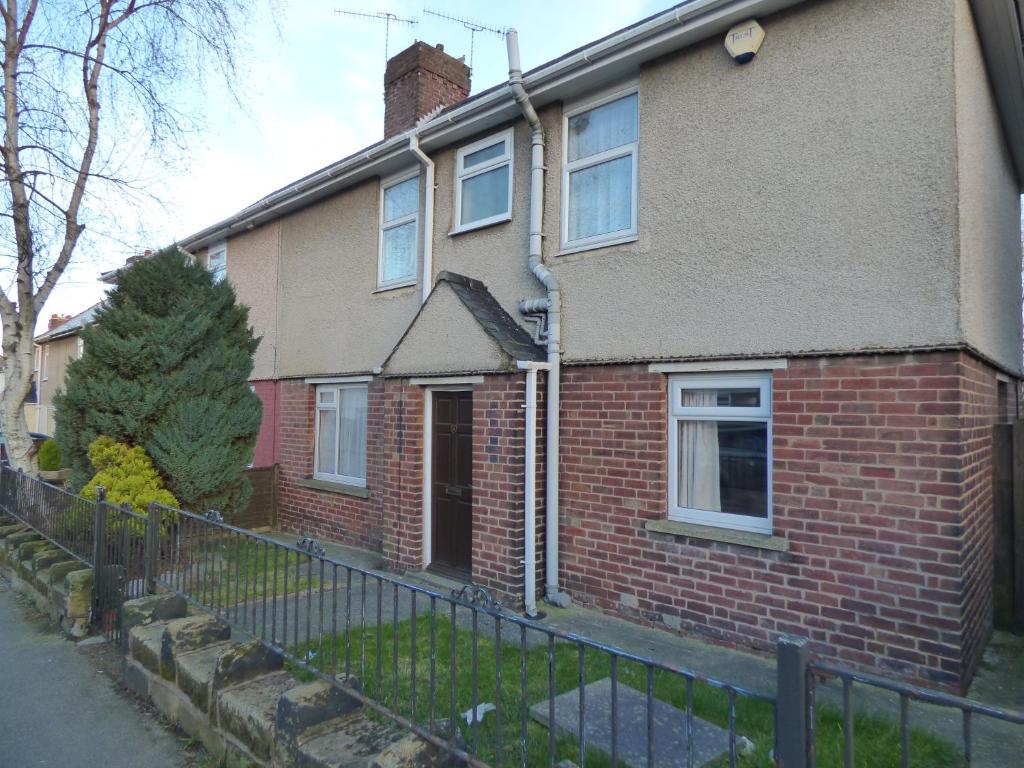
[59,584]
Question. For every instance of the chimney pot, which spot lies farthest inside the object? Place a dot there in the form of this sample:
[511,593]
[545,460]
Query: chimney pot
[56,320]
[418,81]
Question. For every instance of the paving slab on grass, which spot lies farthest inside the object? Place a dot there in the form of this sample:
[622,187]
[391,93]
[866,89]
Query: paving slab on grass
[670,739]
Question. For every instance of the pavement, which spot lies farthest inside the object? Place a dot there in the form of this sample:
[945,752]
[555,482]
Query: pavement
[59,707]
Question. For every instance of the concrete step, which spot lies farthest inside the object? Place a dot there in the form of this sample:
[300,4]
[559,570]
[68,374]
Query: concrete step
[247,712]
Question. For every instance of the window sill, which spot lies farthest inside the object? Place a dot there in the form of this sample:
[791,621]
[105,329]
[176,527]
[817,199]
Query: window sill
[723,535]
[395,287]
[479,225]
[571,249]
[344,490]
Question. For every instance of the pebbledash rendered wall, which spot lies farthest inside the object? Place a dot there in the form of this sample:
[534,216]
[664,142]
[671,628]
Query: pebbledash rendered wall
[882,490]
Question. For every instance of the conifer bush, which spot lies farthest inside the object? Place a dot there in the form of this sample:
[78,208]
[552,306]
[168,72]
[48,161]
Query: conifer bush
[50,459]
[165,368]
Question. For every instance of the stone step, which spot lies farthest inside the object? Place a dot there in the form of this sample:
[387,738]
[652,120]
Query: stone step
[204,672]
[145,642]
[189,634]
[354,741]
[247,712]
[195,672]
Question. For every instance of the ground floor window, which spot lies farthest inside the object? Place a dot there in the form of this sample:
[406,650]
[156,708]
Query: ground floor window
[340,449]
[720,450]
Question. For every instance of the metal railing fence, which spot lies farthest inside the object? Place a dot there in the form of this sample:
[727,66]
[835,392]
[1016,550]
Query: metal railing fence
[457,670]
[454,669]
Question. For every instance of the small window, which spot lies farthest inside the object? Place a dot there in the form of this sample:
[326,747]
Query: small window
[599,175]
[81,346]
[217,261]
[339,454]
[399,219]
[46,362]
[720,436]
[483,191]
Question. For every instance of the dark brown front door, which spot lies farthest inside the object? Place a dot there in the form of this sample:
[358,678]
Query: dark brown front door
[452,483]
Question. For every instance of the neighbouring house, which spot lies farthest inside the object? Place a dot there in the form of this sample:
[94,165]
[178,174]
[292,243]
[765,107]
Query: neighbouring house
[715,347]
[54,349]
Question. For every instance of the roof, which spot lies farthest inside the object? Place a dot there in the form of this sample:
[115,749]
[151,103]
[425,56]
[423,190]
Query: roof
[512,341]
[492,317]
[605,60]
[72,326]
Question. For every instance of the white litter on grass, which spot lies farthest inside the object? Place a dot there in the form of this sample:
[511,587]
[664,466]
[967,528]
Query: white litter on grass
[481,710]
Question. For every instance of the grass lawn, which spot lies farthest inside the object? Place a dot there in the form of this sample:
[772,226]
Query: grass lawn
[236,569]
[877,741]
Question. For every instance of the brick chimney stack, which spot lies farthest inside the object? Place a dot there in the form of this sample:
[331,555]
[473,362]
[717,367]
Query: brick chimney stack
[418,81]
[56,320]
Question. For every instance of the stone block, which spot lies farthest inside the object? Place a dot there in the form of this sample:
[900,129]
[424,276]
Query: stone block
[146,610]
[195,672]
[306,706]
[247,711]
[244,662]
[15,540]
[136,679]
[145,643]
[188,634]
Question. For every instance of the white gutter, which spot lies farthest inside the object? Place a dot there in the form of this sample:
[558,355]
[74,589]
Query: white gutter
[530,487]
[553,306]
[428,216]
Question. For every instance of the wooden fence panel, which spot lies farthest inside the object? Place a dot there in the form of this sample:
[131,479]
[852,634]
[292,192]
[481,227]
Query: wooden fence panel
[262,510]
[1008,523]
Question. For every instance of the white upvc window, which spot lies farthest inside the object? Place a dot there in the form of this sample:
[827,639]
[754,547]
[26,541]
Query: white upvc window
[599,172]
[339,454]
[483,188]
[217,261]
[81,346]
[720,457]
[46,362]
[399,231]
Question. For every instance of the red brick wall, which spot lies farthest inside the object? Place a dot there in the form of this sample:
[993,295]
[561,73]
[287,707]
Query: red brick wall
[323,514]
[881,488]
[499,522]
[265,453]
[498,451]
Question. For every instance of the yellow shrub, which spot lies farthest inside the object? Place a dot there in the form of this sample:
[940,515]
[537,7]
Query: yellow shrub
[127,474]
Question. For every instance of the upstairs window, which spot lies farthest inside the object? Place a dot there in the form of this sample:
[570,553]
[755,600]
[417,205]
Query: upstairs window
[720,436]
[340,450]
[217,261]
[399,219]
[599,176]
[483,190]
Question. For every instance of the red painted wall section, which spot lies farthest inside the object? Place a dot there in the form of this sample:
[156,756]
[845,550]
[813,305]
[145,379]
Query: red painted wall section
[269,392]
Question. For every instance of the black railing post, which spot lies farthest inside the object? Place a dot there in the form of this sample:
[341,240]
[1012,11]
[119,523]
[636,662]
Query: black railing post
[152,547]
[792,735]
[99,535]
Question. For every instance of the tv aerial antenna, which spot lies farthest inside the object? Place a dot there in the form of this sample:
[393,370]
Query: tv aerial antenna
[386,16]
[472,26]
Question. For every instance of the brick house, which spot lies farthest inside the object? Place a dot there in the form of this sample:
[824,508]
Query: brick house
[715,347]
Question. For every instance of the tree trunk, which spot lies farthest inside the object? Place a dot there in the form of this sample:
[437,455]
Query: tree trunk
[17,385]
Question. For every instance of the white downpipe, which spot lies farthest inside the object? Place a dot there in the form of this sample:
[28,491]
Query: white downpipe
[530,486]
[552,305]
[428,216]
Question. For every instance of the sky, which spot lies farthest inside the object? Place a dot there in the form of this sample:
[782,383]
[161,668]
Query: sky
[310,92]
